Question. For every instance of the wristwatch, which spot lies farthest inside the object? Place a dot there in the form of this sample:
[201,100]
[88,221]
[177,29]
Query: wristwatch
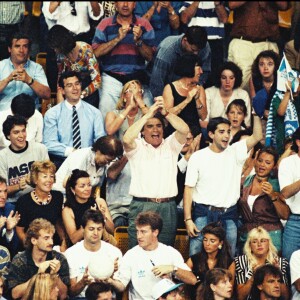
[139,43]
[175,269]
[31,82]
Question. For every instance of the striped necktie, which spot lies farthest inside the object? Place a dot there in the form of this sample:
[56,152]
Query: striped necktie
[76,130]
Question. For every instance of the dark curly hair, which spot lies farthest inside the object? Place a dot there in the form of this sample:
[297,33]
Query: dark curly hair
[265,54]
[235,69]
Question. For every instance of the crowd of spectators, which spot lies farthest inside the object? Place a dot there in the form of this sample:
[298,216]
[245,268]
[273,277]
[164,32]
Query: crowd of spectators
[167,115]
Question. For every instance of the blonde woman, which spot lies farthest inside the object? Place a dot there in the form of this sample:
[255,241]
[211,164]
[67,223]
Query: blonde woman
[129,109]
[258,250]
[42,286]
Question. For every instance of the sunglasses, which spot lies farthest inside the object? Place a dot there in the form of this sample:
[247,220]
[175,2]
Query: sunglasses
[73,11]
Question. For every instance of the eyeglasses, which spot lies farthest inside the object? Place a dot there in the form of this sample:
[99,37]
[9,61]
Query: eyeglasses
[73,11]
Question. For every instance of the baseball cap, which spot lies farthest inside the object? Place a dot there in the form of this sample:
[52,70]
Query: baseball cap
[164,286]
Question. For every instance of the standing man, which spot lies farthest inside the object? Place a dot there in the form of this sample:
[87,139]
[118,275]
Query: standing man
[123,44]
[212,185]
[17,158]
[289,181]
[171,49]
[153,164]
[150,261]
[88,251]
[59,136]
[19,74]
[38,258]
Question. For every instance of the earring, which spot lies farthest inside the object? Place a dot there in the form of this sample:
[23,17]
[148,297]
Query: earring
[220,246]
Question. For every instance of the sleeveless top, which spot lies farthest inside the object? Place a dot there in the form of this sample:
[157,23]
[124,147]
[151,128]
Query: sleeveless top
[189,114]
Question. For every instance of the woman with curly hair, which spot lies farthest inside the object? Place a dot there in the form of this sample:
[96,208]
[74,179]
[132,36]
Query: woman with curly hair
[226,89]
[215,253]
[258,250]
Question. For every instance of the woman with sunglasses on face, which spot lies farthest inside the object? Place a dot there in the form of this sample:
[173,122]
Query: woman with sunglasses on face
[260,203]
[258,250]
[184,97]
[215,253]
[217,285]
[78,200]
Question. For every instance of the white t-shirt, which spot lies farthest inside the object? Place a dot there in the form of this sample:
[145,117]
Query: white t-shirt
[288,173]
[136,267]
[295,273]
[79,258]
[216,177]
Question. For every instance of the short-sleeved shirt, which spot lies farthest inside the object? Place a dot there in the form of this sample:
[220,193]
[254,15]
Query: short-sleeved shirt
[15,88]
[124,58]
[217,176]
[154,170]
[22,268]
[137,263]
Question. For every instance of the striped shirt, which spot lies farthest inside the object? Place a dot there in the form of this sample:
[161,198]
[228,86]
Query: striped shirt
[124,57]
[11,12]
[243,273]
[206,17]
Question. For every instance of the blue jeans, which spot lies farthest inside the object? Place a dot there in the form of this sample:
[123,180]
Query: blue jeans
[110,92]
[202,215]
[291,236]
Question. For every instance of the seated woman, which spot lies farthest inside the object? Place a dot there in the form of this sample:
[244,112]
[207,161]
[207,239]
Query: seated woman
[76,56]
[129,109]
[42,286]
[42,202]
[260,203]
[78,200]
[215,253]
[218,285]
[184,97]
[226,89]
[236,113]
[258,250]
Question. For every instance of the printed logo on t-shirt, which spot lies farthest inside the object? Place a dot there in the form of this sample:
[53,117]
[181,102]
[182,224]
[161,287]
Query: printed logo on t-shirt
[141,273]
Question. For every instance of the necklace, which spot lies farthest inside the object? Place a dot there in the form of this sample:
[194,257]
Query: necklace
[260,179]
[45,202]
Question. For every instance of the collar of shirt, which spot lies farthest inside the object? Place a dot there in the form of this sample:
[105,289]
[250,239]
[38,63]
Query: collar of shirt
[149,145]
[114,20]
[70,106]
[26,65]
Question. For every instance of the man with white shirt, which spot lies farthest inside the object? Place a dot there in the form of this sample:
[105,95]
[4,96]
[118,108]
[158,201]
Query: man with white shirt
[150,261]
[88,252]
[212,185]
[153,165]
[295,274]
[58,121]
[24,105]
[289,181]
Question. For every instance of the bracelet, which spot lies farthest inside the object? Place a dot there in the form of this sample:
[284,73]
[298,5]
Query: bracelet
[200,107]
[166,113]
[139,43]
[188,219]
[122,116]
[274,200]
